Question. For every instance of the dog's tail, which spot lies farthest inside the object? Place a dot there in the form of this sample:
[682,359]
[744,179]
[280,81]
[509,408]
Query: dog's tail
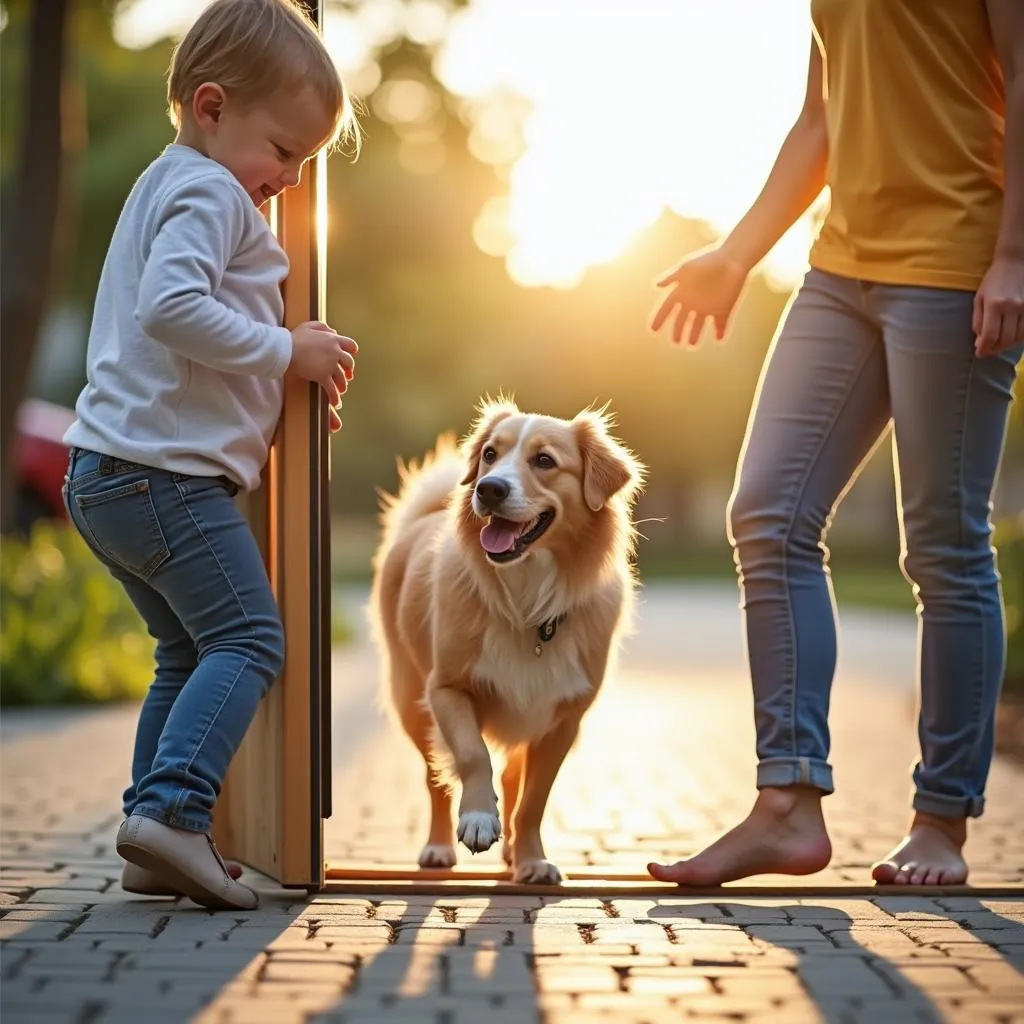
[424,487]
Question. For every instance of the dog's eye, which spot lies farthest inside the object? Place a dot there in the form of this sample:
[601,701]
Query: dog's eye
[489,455]
[544,461]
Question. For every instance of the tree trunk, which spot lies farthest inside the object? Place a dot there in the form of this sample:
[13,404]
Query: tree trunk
[30,229]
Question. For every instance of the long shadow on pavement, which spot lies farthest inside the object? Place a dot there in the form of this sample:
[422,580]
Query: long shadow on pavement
[113,958]
[433,970]
[508,959]
[893,959]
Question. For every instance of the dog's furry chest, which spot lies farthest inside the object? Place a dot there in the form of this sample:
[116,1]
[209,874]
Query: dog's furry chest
[520,691]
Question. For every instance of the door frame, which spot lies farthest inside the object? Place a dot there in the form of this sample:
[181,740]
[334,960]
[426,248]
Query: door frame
[277,791]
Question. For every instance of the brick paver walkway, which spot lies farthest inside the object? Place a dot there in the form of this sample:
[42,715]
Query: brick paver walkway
[664,765]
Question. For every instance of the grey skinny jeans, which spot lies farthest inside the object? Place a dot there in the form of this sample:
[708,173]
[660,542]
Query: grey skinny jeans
[851,356]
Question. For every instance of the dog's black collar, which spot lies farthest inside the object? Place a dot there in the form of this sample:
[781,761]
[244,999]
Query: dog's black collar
[547,629]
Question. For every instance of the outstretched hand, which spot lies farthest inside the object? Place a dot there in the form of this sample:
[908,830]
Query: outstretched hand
[704,286]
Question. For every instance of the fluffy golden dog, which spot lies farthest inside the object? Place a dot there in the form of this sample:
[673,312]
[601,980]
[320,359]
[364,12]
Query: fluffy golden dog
[502,583]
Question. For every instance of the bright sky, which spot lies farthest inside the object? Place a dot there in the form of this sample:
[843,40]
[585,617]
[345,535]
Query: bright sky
[599,113]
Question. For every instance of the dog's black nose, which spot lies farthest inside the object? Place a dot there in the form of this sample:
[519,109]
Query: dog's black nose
[491,491]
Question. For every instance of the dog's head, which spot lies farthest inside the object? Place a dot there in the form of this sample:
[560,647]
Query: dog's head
[535,482]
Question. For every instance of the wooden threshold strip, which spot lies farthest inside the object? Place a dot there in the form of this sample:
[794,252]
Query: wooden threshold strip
[377,879]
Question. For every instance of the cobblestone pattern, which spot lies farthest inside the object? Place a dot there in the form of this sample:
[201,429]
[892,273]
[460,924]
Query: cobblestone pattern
[663,766]
[90,955]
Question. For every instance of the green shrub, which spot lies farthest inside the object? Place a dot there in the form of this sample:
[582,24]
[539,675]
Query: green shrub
[69,634]
[1010,542]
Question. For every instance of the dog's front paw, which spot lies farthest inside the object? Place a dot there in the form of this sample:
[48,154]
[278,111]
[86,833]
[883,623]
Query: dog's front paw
[437,855]
[478,830]
[537,872]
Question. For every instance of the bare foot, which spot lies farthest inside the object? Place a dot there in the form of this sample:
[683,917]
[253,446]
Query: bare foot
[783,834]
[929,855]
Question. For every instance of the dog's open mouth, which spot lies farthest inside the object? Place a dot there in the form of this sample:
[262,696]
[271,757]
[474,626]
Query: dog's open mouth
[505,540]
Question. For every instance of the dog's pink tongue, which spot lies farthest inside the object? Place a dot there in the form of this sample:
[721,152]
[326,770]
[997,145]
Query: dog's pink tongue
[499,535]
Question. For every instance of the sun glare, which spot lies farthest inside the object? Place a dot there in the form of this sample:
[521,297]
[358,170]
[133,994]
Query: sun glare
[141,23]
[599,116]
[631,108]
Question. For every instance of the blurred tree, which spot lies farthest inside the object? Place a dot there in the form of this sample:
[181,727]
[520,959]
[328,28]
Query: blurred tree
[31,217]
[122,137]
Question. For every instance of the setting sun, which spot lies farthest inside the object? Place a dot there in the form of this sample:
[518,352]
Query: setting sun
[599,117]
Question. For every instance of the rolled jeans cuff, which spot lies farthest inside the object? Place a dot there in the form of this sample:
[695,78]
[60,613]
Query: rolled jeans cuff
[942,806]
[778,772]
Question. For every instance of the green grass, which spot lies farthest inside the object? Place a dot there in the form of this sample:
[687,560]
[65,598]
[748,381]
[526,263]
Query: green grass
[872,588]
[860,580]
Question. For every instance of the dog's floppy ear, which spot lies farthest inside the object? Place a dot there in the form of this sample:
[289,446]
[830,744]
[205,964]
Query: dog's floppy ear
[608,467]
[491,413]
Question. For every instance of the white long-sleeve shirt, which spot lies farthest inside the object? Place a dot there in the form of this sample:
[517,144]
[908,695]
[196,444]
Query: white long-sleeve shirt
[186,351]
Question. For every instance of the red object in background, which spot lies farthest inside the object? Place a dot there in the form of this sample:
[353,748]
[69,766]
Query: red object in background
[41,460]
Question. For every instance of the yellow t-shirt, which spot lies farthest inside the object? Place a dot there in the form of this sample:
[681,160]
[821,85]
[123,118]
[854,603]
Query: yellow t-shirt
[915,108]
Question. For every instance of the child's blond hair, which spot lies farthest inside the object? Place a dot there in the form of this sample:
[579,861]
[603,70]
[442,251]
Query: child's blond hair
[253,48]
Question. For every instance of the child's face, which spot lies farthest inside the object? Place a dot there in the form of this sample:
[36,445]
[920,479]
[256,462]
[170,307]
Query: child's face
[265,146]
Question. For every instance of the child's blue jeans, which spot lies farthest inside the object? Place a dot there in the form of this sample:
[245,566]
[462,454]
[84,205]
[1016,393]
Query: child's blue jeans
[188,560]
[850,357]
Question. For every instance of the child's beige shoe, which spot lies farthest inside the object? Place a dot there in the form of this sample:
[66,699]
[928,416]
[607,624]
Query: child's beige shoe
[144,883]
[187,862]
